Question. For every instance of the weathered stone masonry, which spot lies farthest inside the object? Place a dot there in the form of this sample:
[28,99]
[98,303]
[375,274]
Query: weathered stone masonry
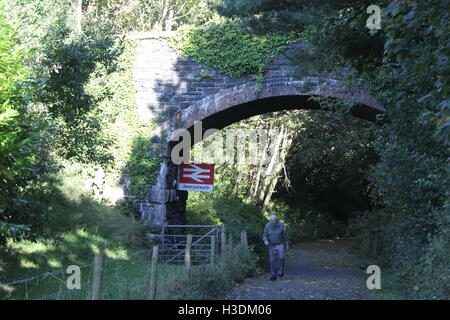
[178,92]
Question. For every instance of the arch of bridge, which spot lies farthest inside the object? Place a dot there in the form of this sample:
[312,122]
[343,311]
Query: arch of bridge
[175,89]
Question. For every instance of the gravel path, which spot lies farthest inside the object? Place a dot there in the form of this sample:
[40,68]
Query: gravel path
[320,270]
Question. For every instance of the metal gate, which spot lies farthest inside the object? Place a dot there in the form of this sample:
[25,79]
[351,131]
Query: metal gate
[173,242]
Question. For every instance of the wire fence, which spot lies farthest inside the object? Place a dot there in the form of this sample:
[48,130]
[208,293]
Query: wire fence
[55,280]
[121,278]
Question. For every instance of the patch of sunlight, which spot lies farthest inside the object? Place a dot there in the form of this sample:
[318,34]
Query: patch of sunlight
[27,247]
[82,233]
[2,264]
[8,289]
[95,249]
[113,194]
[28,264]
[71,184]
[70,237]
[54,263]
[117,253]
[100,240]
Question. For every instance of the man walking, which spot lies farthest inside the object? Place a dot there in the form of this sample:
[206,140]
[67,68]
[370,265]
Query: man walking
[275,236]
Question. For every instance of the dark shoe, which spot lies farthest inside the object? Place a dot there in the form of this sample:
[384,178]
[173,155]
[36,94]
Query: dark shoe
[281,275]
[273,278]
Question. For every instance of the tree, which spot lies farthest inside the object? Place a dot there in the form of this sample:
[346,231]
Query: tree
[405,66]
[18,139]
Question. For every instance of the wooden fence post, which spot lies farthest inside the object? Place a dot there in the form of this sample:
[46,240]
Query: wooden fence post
[223,243]
[97,278]
[58,296]
[187,255]
[213,249]
[153,274]
[244,240]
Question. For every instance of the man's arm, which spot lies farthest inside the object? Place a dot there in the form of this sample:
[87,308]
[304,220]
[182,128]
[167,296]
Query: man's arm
[266,241]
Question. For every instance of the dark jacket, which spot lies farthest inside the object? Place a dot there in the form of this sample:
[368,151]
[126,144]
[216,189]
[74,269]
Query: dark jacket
[276,234]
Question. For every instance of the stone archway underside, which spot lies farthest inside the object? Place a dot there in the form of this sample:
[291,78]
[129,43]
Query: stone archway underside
[169,85]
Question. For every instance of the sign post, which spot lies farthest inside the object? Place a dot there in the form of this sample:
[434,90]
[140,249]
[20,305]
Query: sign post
[196,177]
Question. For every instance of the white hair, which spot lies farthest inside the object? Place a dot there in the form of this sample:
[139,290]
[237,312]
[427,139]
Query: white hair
[273,217]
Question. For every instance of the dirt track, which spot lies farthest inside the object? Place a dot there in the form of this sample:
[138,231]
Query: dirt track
[322,270]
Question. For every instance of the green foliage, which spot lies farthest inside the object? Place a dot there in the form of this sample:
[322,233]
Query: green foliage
[84,90]
[412,177]
[305,222]
[212,281]
[129,134]
[148,15]
[70,60]
[64,63]
[327,160]
[75,227]
[264,17]
[142,167]
[236,213]
[229,50]
[18,138]
[247,263]
[405,66]
[66,199]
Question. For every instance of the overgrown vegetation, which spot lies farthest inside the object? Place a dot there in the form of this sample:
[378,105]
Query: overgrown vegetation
[71,141]
[405,65]
[319,155]
[230,50]
[18,137]
[212,281]
[75,147]
[126,277]
[74,226]
[236,213]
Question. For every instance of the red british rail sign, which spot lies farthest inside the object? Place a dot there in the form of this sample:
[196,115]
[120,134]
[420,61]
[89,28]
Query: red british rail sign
[196,177]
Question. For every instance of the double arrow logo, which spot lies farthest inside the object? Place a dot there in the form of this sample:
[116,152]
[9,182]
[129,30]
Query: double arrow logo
[197,173]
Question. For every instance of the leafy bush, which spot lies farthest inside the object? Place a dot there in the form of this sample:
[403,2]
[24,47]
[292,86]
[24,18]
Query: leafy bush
[212,281]
[236,213]
[74,227]
[128,134]
[405,67]
[229,50]
[18,138]
[240,263]
[308,223]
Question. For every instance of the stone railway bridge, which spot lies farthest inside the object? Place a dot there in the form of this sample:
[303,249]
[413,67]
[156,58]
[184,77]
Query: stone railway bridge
[178,92]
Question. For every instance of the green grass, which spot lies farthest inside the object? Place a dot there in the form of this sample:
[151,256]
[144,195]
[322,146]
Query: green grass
[121,279]
[128,279]
[388,289]
[77,226]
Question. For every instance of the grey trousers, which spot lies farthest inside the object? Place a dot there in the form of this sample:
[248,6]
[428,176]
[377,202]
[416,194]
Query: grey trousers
[273,266]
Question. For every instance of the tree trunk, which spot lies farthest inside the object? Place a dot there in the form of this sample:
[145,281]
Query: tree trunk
[260,168]
[79,16]
[279,166]
[270,167]
[170,16]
